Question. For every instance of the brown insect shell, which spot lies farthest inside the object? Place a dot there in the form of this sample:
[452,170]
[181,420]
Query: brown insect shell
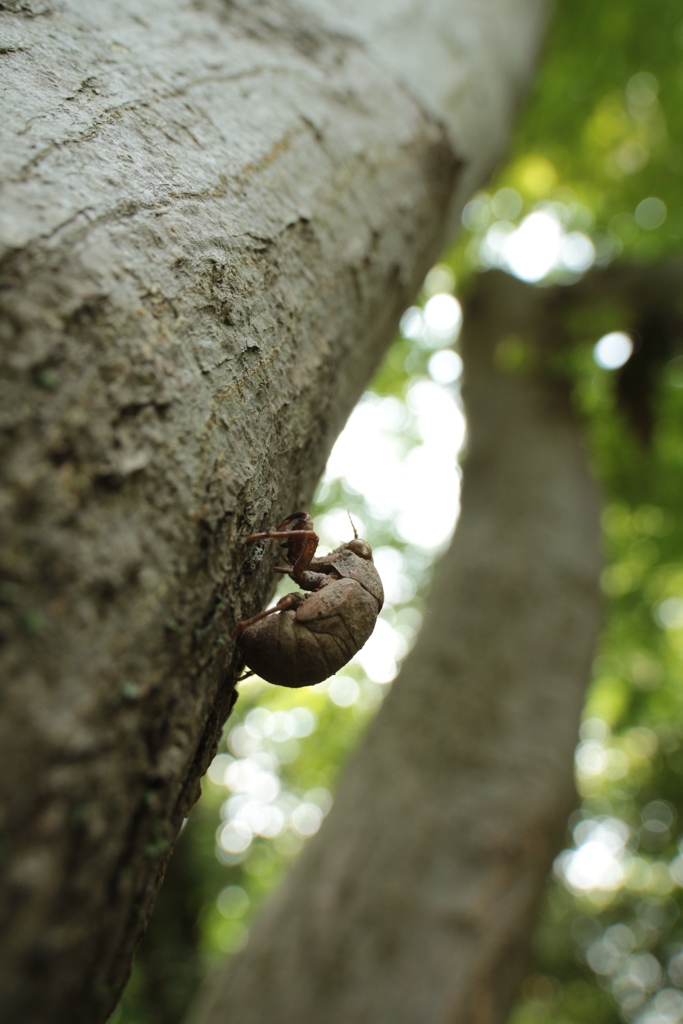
[348,562]
[302,646]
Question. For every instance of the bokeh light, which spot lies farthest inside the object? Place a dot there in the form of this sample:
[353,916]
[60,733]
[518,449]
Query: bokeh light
[613,350]
[650,213]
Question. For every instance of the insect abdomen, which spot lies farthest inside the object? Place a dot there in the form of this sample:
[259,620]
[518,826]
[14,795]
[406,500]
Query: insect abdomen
[304,646]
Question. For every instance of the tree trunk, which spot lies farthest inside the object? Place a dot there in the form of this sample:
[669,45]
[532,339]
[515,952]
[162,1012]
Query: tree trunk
[211,218]
[415,901]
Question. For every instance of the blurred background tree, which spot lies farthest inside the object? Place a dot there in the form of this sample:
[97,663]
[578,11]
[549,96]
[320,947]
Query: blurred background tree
[591,189]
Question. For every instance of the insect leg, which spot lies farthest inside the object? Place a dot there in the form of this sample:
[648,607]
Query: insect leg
[288,601]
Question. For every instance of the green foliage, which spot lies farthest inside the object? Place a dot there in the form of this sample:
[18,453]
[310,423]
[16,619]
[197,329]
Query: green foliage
[612,927]
[601,135]
[601,140]
[605,117]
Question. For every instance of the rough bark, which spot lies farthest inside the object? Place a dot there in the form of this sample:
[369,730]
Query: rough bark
[416,899]
[211,218]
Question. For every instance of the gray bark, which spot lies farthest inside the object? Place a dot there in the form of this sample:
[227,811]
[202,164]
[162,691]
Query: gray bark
[416,900]
[211,218]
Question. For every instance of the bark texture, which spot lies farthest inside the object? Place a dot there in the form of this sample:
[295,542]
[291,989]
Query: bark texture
[211,217]
[415,901]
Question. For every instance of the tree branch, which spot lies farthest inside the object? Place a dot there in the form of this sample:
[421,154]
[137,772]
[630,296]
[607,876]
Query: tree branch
[211,219]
